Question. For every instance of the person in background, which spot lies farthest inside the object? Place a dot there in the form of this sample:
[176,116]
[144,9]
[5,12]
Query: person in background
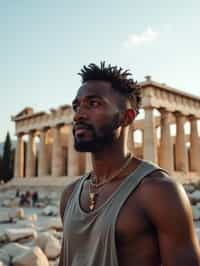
[34,198]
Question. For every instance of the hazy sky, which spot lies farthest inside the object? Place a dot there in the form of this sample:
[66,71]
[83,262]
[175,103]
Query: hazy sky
[44,43]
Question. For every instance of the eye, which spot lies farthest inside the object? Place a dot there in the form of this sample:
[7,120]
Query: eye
[94,103]
[74,107]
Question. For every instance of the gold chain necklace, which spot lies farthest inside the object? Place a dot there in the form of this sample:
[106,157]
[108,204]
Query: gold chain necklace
[93,194]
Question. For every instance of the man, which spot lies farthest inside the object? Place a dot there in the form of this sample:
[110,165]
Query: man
[126,212]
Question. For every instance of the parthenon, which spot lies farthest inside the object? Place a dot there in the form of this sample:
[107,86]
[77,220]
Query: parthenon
[45,141]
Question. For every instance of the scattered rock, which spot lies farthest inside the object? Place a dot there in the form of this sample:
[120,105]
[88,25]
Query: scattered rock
[49,244]
[6,203]
[54,196]
[3,238]
[54,263]
[53,223]
[14,249]
[33,257]
[194,197]
[25,224]
[32,217]
[19,241]
[40,204]
[189,188]
[10,203]
[20,233]
[43,197]
[198,233]
[197,224]
[20,213]
[4,217]
[196,213]
[50,211]
[16,213]
[57,235]
[4,257]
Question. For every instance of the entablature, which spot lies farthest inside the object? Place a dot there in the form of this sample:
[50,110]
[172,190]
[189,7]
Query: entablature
[158,95]
[41,120]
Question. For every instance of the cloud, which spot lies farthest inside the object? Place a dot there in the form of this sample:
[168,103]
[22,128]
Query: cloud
[141,38]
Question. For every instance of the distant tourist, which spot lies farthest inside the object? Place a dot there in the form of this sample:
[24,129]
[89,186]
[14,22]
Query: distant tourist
[26,199]
[22,199]
[34,198]
[17,193]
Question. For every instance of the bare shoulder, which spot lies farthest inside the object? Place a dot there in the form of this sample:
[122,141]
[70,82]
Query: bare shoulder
[158,191]
[67,191]
[159,181]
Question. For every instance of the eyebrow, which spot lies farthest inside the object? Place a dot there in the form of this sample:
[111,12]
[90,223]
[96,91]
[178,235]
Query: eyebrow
[89,97]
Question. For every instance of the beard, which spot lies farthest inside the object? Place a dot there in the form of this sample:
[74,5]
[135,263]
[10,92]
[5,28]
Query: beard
[100,138]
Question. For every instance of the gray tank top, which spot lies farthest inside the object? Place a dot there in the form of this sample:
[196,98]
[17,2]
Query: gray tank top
[89,237]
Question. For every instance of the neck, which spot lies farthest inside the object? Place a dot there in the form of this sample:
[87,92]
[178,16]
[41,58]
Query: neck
[108,160]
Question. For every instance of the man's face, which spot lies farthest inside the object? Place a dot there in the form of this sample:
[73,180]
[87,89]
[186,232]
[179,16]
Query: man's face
[97,116]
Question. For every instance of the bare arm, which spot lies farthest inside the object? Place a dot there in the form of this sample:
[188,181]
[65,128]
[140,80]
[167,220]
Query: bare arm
[168,208]
[63,201]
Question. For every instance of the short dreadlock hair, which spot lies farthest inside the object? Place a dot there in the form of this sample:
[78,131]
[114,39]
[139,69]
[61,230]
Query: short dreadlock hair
[119,79]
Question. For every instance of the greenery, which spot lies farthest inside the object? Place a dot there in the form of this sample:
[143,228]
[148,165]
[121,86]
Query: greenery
[1,166]
[7,160]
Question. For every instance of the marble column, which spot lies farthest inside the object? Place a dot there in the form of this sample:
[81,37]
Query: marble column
[43,154]
[19,157]
[31,155]
[166,159]
[195,146]
[73,156]
[130,143]
[57,153]
[150,143]
[181,148]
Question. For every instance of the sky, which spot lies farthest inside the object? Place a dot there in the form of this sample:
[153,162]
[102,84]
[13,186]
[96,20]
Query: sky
[45,43]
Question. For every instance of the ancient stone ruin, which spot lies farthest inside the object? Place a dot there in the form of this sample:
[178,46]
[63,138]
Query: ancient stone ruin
[49,142]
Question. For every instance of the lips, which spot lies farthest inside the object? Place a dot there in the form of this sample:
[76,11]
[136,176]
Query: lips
[80,129]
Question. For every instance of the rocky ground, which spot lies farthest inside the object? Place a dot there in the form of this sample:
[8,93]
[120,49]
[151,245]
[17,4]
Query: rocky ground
[193,192]
[32,235]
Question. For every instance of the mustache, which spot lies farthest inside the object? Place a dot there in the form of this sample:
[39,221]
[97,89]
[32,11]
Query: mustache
[82,125]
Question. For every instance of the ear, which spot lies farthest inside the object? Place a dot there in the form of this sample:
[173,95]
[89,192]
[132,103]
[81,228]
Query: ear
[129,116]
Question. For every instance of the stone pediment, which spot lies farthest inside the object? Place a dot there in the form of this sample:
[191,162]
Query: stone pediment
[25,112]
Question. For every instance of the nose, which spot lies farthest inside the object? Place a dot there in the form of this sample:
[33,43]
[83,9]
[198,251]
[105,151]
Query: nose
[80,114]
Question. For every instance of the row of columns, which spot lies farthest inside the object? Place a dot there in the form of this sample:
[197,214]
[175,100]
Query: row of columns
[76,162]
[167,158]
[166,154]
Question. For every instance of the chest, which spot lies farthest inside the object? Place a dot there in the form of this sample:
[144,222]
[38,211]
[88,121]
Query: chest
[127,214]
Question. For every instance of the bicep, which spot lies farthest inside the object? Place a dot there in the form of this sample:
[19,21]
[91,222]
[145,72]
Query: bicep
[178,243]
[169,210]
